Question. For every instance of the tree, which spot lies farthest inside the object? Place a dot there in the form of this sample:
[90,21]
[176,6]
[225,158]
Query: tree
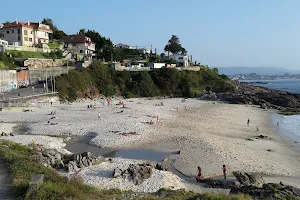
[57,34]
[183,51]
[174,45]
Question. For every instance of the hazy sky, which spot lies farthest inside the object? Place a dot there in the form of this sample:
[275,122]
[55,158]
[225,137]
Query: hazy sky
[215,32]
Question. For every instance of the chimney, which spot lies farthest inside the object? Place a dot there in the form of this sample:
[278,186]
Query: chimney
[28,23]
[17,21]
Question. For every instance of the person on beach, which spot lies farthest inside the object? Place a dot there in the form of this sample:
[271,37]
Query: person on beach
[99,115]
[248,122]
[278,126]
[224,171]
[257,130]
[156,118]
[88,107]
[198,177]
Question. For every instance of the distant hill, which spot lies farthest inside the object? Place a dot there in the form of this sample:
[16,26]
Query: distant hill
[257,70]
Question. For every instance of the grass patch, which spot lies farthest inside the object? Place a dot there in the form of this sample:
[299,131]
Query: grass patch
[53,45]
[26,54]
[23,166]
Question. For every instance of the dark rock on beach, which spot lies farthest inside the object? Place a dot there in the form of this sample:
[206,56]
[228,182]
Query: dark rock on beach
[137,173]
[249,178]
[271,191]
[266,98]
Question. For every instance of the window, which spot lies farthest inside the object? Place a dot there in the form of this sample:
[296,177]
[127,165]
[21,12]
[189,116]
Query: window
[13,31]
[25,38]
[81,51]
[31,32]
[19,38]
[30,39]
[7,32]
[25,32]
[19,31]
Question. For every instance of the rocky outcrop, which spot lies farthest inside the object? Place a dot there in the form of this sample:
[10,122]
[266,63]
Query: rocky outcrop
[83,160]
[209,96]
[36,63]
[137,173]
[72,163]
[271,191]
[217,183]
[264,97]
[249,178]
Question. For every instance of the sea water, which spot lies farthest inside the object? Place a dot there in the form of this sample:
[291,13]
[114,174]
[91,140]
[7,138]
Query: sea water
[289,125]
[289,85]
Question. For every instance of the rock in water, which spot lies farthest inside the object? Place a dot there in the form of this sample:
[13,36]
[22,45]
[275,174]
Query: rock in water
[249,178]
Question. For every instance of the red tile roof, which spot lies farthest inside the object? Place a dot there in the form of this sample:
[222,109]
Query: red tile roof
[32,25]
[77,39]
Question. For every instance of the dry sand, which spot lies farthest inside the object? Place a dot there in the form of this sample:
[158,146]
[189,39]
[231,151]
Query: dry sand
[207,134]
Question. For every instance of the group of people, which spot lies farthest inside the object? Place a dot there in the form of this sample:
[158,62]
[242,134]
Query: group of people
[91,107]
[248,124]
[199,175]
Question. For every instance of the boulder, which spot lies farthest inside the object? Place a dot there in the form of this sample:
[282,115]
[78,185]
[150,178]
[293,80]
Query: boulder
[249,178]
[72,166]
[137,173]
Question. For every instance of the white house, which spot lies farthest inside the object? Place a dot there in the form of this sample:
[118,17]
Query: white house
[79,44]
[26,34]
[123,46]
[154,65]
[3,45]
[183,60]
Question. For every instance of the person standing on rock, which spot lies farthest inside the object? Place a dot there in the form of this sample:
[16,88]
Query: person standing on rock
[248,122]
[224,171]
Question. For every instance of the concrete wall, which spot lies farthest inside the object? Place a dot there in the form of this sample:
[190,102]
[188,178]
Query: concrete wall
[8,80]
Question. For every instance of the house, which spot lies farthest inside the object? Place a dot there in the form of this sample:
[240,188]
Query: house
[79,44]
[26,34]
[3,45]
[154,65]
[123,46]
[183,60]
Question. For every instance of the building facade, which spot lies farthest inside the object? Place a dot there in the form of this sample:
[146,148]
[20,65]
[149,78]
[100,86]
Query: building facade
[79,44]
[183,60]
[26,34]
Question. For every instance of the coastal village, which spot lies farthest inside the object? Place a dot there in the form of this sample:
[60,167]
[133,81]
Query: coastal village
[84,118]
[31,43]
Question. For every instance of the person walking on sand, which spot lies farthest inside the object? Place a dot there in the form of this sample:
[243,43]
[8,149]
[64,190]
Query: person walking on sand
[224,171]
[99,115]
[199,174]
[278,126]
[248,122]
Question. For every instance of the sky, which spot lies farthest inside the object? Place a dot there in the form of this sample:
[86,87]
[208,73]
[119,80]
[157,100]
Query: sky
[258,33]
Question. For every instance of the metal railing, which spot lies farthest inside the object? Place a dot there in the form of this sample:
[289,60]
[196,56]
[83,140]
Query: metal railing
[9,99]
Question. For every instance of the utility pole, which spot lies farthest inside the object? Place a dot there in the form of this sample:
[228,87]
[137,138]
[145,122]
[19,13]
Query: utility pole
[46,81]
[67,66]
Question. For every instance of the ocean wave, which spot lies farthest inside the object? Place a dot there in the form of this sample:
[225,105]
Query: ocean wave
[292,123]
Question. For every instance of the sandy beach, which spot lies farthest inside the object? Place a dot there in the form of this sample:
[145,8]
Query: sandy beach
[207,134]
